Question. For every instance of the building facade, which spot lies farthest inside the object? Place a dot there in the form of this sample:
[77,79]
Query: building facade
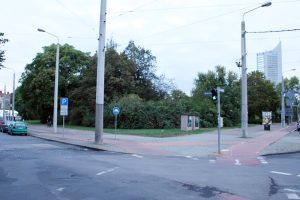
[5,100]
[270,63]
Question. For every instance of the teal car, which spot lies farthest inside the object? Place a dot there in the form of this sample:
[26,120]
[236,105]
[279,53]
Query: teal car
[17,128]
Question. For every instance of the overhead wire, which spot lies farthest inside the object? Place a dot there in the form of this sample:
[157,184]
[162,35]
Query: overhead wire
[195,22]
[132,10]
[76,15]
[275,31]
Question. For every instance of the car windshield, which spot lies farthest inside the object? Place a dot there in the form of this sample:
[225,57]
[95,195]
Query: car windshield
[20,124]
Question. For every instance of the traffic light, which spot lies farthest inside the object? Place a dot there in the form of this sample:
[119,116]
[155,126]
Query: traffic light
[214,95]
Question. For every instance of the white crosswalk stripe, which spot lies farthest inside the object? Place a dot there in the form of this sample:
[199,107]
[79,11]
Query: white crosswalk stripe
[262,160]
[191,157]
[292,196]
[107,171]
[137,156]
[237,162]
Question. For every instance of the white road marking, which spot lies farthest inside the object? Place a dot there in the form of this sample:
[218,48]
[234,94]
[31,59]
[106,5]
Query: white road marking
[60,189]
[225,150]
[191,157]
[107,171]
[262,160]
[282,173]
[212,161]
[237,162]
[298,175]
[138,156]
[292,196]
[291,190]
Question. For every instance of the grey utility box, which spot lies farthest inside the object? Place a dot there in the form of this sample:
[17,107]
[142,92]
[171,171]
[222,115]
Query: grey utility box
[190,122]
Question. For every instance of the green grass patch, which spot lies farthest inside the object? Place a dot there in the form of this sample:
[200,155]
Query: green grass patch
[158,132]
[145,132]
[32,122]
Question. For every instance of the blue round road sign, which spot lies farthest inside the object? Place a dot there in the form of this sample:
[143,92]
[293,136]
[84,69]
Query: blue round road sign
[116,110]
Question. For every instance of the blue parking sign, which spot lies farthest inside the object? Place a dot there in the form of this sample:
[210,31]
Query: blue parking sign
[64,101]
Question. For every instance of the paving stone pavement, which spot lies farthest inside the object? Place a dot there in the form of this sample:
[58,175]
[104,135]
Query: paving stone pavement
[259,142]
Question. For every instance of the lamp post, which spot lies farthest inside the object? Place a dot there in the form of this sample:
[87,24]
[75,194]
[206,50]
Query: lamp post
[244,107]
[282,99]
[100,76]
[56,81]
[13,100]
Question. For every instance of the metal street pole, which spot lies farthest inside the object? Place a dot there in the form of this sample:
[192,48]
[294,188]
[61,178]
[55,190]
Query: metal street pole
[56,81]
[219,121]
[219,90]
[282,104]
[244,107]
[100,76]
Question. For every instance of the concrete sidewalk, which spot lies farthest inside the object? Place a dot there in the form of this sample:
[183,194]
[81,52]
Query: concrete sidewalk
[259,142]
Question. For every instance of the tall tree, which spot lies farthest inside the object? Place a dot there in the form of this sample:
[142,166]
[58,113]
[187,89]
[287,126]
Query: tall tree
[119,75]
[37,82]
[229,99]
[262,96]
[144,64]
[2,52]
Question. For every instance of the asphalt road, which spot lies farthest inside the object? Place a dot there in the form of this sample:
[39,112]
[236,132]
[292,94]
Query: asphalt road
[32,168]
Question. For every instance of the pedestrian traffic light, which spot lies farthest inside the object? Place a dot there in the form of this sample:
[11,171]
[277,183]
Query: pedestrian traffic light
[214,95]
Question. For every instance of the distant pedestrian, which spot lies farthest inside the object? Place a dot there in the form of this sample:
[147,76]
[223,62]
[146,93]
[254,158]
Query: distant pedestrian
[49,121]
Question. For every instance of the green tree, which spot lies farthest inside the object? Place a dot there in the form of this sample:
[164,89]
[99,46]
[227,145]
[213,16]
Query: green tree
[119,75]
[147,84]
[293,82]
[229,99]
[262,96]
[2,52]
[37,82]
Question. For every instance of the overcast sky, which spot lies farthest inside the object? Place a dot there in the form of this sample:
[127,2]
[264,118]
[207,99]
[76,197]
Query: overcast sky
[186,37]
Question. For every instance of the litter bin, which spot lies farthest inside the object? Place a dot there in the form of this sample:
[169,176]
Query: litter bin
[267,127]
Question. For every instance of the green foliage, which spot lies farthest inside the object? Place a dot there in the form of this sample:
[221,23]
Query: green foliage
[262,96]
[146,100]
[229,99]
[34,98]
[138,113]
[147,85]
[2,52]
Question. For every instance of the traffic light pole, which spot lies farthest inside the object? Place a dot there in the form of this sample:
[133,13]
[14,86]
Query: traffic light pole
[219,118]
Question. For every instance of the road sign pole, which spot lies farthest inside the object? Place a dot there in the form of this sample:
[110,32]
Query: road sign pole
[116,121]
[219,90]
[116,112]
[219,122]
[63,126]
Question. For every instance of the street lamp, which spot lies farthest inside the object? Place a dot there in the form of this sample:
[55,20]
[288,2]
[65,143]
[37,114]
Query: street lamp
[282,99]
[244,110]
[56,81]
[13,101]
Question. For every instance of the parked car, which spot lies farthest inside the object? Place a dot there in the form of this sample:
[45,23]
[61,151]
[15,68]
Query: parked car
[3,127]
[17,128]
[298,126]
